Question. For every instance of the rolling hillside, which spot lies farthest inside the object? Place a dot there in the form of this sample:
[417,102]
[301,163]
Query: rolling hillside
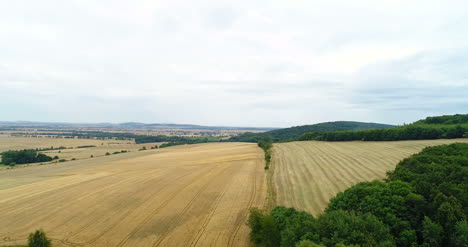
[293,133]
[440,127]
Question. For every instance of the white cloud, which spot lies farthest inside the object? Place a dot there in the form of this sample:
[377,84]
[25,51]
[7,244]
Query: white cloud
[270,63]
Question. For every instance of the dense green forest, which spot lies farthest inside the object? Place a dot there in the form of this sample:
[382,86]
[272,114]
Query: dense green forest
[447,119]
[293,133]
[442,127]
[26,156]
[423,202]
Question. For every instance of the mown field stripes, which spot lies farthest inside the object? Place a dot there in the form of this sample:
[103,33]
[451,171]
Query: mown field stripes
[306,175]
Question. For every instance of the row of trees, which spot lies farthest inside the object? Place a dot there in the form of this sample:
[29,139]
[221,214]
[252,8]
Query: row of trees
[266,146]
[25,156]
[186,140]
[423,202]
[407,132]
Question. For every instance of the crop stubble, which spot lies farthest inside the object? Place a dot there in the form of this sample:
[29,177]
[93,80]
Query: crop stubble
[306,175]
[196,195]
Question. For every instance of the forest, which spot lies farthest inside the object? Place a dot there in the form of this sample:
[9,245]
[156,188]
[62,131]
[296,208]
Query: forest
[407,132]
[423,202]
[442,127]
[293,133]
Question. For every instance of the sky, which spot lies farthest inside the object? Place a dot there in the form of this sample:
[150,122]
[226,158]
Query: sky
[232,63]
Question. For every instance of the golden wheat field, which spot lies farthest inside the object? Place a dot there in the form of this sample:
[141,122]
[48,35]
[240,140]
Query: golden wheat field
[191,195]
[307,174]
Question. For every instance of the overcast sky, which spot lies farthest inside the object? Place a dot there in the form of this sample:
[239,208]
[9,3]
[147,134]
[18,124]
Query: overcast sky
[235,63]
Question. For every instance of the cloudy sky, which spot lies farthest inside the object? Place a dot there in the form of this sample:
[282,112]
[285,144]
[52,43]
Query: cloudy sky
[237,63]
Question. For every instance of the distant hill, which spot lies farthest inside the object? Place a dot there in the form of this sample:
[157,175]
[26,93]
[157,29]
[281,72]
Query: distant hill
[440,127]
[294,133]
[446,119]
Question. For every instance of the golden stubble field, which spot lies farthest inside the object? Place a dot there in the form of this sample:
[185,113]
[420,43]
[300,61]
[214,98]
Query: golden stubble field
[72,152]
[307,174]
[8,142]
[191,195]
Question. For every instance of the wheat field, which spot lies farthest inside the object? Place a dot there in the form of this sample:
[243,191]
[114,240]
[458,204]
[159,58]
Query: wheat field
[191,195]
[306,175]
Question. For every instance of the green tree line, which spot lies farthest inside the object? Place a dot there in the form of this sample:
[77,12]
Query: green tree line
[266,146]
[407,132]
[423,202]
[446,119]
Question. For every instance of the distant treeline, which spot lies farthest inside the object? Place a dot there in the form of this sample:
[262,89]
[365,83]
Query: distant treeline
[174,139]
[407,132]
[447,119]
[423,202]
[441,127]
[11,158]
[293,133]
[51,148]
[191,140]
[139,139]
[100,135]
[86,146]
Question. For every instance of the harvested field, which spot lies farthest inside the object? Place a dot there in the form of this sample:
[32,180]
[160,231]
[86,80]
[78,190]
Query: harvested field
[17,143]
[191,195]
[307,174]
[101,147]
[99,150]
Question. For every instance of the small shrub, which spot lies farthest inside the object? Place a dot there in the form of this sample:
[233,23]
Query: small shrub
[62,160]
[107,153]
[38,239]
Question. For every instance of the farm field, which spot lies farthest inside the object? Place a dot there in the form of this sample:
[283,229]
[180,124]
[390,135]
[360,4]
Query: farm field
[307,174]
[190,195]
[101,146]
[8,142]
